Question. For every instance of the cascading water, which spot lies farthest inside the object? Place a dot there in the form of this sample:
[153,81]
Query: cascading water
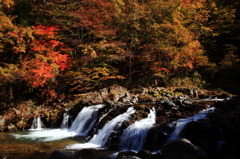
[37,124]
[65,121]
[104,115]
[85,120]
[100,139]
[133,137]
[81,126]
[181,123]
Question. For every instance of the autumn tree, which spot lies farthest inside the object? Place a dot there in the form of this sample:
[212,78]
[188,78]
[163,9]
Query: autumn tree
[31,57]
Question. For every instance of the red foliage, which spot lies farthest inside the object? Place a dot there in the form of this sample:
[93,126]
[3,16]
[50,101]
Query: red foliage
[41,57]
[39,72]
[47,31]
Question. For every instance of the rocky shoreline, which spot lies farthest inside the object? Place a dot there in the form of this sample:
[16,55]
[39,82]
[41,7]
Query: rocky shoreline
[21,116]
[216,137]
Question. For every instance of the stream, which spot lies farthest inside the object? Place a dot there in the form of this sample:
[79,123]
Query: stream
[38,143]
[14,148]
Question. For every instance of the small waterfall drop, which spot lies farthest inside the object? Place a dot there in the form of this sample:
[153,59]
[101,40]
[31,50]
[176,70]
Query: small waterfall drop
[81,126]
[181,123]
[100,139]
[37,124]
[85,120]
[65,121]
[104,115]
[133,137]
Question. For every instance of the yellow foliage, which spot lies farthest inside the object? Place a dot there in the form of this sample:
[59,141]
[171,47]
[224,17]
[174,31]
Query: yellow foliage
[5,22]
[7,3]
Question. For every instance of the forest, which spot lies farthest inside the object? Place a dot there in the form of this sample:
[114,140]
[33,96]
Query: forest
[52,50]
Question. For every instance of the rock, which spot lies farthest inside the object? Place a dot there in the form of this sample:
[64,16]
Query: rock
[91,154]
[182,149]
[59,155]
[92,98]
[2,123]
[11,127]
[168,104]
[125,99]
[144,154]
[127,155]
[155,139]
[134,99]
[188,91]
[21,124]
[116,92]
[104,93]
[146,98]
[226,151]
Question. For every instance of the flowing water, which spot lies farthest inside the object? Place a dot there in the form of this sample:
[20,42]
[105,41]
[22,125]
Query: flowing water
[85,120]
[133,138]
[37,124]
[99,140]
[40,144]
[83,123]
[13,148]
[181,123]
[65,121]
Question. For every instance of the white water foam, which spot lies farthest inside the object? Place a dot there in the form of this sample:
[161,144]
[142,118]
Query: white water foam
[47,135]
[80,127]
[65,121]
[85,120]
[181,123]
[99,140]
[37,124]
[133,137]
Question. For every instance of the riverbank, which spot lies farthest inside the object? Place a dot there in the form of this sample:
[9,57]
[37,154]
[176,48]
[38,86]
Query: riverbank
[170,105]
[20,117]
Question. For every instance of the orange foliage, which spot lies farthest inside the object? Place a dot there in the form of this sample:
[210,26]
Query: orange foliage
[41,56]
[96,15]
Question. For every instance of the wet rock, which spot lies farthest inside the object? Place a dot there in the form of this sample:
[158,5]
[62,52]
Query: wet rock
[155,139]
[59,155]
[127,155]
[182,149]
[91,154]
[226,151]
[144,154]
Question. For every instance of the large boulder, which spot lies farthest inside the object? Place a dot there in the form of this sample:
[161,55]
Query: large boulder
[182,149]
[92,154]
[59,155]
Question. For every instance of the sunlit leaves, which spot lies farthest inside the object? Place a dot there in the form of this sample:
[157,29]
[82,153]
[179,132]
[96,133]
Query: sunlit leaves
[39,56]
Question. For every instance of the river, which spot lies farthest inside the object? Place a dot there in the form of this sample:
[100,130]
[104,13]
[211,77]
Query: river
[13,148]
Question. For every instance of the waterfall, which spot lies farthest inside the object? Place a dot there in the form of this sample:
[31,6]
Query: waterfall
[100,139]
[81,126]
[65,121]
[181,123]
[104,115]
[85,120]
[37,124]
[133,137]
